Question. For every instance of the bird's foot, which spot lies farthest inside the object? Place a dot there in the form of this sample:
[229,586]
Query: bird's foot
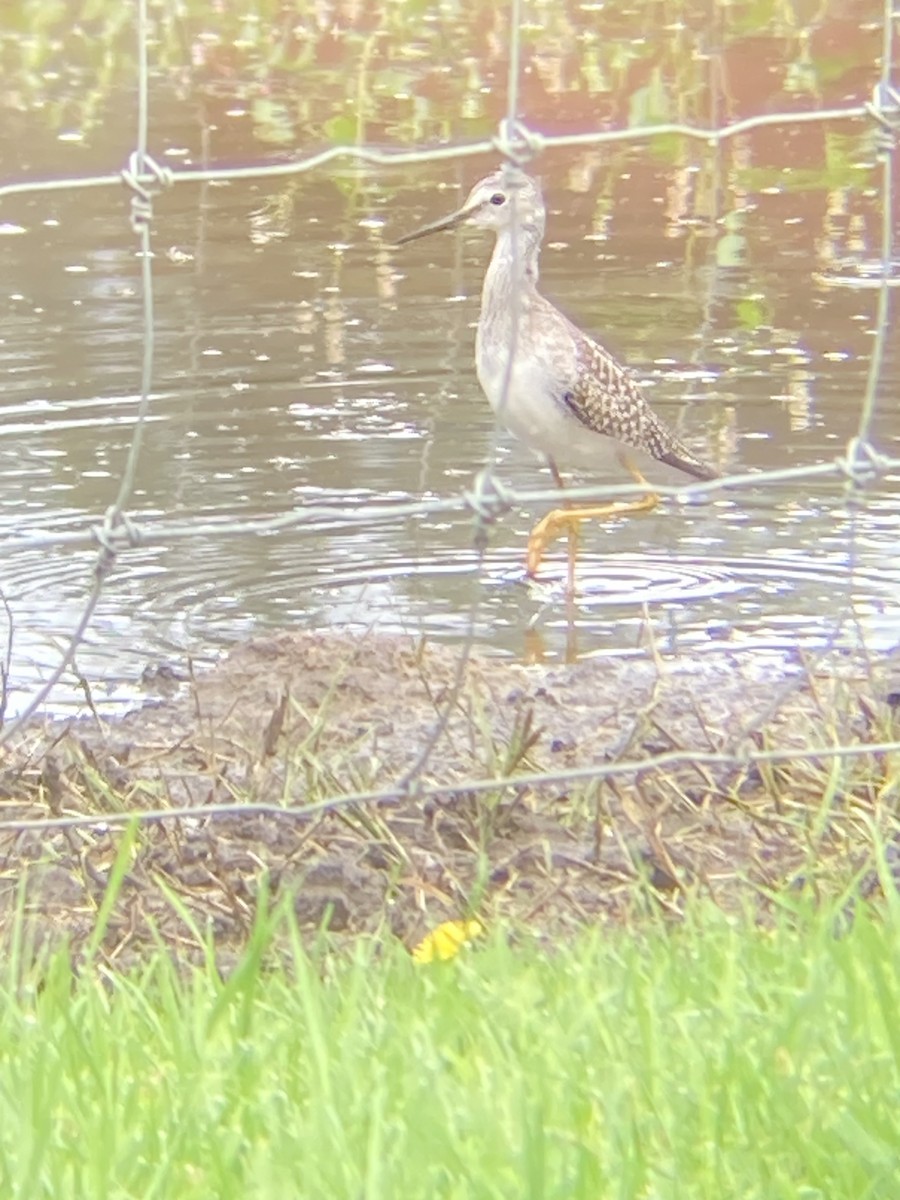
[568,521]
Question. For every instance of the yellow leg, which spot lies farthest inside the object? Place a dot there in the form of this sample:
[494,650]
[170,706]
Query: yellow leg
[567,520]
[572,546]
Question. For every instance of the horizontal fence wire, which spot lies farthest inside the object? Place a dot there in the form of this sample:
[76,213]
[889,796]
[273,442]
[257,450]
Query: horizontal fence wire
[519,143]
[858,465]
[438,791]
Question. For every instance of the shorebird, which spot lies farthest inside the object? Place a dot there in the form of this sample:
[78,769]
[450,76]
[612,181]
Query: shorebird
[553,386]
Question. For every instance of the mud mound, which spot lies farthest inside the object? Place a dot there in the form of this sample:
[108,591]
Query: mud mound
[360,777]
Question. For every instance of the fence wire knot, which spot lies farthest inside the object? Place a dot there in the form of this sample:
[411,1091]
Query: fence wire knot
[861,464]
[410,787]
[488,497]
[517,143]
[145,178]
[884,108]
[118,532]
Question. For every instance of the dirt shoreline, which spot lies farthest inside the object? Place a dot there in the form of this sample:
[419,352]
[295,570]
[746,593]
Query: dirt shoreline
[293,719]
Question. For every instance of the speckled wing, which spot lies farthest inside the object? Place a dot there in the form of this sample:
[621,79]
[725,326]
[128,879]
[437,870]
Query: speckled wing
[606,399]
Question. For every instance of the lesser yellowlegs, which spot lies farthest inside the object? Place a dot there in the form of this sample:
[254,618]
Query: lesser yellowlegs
[554,387]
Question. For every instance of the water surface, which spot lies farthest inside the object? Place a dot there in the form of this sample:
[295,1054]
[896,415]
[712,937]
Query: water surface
[302,360]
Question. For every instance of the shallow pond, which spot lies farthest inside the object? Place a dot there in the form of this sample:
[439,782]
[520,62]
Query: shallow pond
[301,360]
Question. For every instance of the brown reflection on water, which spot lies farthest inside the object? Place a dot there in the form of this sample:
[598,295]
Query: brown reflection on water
[302,360]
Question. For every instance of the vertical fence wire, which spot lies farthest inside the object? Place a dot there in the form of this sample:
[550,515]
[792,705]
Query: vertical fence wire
[488,498]
[114,532]
[858,463]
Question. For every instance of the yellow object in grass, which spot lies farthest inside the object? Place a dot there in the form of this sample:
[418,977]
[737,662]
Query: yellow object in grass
[446,940]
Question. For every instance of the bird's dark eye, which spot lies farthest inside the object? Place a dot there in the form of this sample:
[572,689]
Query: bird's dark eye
[498,198]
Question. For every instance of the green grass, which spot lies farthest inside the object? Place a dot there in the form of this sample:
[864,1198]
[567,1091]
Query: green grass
[709,1060]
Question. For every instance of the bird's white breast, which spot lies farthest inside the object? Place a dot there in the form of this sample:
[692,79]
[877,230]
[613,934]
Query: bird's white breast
[527,395]
[528,398]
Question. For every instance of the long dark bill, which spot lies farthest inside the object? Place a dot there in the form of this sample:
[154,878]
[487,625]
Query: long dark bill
[456,218]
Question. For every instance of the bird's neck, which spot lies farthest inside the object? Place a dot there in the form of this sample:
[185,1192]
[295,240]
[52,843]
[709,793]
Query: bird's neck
[513,266]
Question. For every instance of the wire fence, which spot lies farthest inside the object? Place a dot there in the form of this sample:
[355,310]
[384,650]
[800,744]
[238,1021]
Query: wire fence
[858,464]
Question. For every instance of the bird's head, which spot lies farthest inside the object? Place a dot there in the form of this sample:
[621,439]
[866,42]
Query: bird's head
[495,202]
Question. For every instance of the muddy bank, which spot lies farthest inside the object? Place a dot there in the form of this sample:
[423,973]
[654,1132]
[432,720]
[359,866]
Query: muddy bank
[294,720]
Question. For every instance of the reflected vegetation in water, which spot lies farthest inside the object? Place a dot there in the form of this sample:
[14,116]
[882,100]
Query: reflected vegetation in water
[300,359]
